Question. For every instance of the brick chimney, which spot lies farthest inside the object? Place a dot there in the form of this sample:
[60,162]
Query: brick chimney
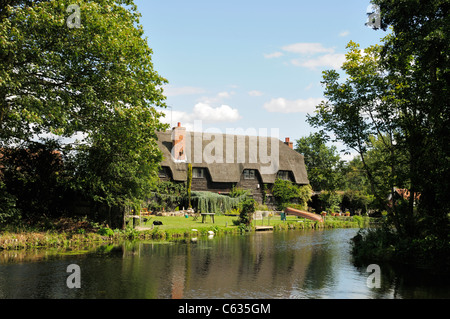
[179,143]
[289,143]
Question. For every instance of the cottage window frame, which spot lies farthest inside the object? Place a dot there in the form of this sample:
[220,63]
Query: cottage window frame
[198,172]
[162,173]
[249,174]
[284,175]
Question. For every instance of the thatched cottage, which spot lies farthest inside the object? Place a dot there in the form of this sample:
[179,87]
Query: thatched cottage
[221,161]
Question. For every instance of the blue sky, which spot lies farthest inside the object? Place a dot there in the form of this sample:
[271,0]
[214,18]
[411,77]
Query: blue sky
[250,64]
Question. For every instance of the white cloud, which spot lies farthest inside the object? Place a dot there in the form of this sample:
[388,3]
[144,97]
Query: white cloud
[184,90]
[203,112]
[225,95]
[255,93]
[273,55]
[216,99]
[307,48]
[223,113]
[282,105]
[344,33]
[312,55]
[334,60]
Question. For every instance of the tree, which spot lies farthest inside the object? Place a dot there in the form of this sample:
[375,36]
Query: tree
[322,162]
[418,51]
[354,176]
[189,184]
[246,210]
[399,92]
[363,112]
[62,80]
[34,175]
[286,192]
[95,79]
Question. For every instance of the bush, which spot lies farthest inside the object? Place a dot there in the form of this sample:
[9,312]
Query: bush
[8,210]
[238,192]
[331,201]
[247,208]
[286,192]
[208,202]
[167,195]
[105,231]
[357,202]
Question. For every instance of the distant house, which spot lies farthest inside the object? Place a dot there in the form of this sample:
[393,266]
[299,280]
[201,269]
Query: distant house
[221,161]
[402,193]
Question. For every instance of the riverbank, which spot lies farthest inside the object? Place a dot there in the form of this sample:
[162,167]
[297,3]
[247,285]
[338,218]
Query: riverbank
[71,234]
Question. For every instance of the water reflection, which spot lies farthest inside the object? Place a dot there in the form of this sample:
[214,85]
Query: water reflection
[294,264]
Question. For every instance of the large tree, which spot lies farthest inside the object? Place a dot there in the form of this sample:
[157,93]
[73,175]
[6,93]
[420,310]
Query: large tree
[418,52]
[322,162]
[59,78]
[68,69]
[399,92]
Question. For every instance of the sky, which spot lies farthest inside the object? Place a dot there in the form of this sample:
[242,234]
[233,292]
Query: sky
[250,65]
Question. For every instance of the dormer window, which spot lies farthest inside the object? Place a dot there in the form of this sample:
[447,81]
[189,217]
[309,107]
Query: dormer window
[198,172]
[284,175]
[249,174]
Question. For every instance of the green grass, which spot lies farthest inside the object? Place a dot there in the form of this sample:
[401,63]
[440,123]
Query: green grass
[181,227]
[173,228]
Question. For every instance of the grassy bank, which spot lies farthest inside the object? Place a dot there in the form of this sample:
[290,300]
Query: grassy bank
[73,234]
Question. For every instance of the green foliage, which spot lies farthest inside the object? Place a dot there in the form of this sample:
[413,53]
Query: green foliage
[262,207]
[209,202]
[357,202]
[9,213]
[189,184]
[392,108]
[286,192]
[96,83]
[322,161]
[331,201]
[239,192]
[33,180]
[167,195]
[63,80]
[247,208]
[105,231]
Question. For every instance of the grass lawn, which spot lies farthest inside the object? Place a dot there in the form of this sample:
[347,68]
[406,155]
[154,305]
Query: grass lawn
[182,226]
[171,222]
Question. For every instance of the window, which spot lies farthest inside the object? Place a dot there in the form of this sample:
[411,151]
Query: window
[163,173]
[249,174]
[198,173]
[284,175]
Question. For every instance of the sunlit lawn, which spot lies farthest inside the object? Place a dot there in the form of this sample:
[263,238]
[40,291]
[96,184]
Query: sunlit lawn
[181,222]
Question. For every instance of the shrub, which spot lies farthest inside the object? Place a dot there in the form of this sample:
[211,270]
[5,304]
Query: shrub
[105,231]
[8,210]
[238,192]
[330,200]
[247,209]
[208,202]
[286,192]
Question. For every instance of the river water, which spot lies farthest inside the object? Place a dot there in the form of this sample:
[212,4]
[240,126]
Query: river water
[269,265]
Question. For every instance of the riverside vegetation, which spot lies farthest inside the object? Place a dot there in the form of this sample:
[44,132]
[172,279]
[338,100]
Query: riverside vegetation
[76,234]
[392,108]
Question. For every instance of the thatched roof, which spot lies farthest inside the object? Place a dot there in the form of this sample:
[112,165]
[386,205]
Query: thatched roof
[228,166]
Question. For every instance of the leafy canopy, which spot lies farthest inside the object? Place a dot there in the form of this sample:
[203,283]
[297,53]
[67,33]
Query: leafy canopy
[322,161]
[96,81]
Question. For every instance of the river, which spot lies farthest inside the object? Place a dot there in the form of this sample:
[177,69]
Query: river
[269,265]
